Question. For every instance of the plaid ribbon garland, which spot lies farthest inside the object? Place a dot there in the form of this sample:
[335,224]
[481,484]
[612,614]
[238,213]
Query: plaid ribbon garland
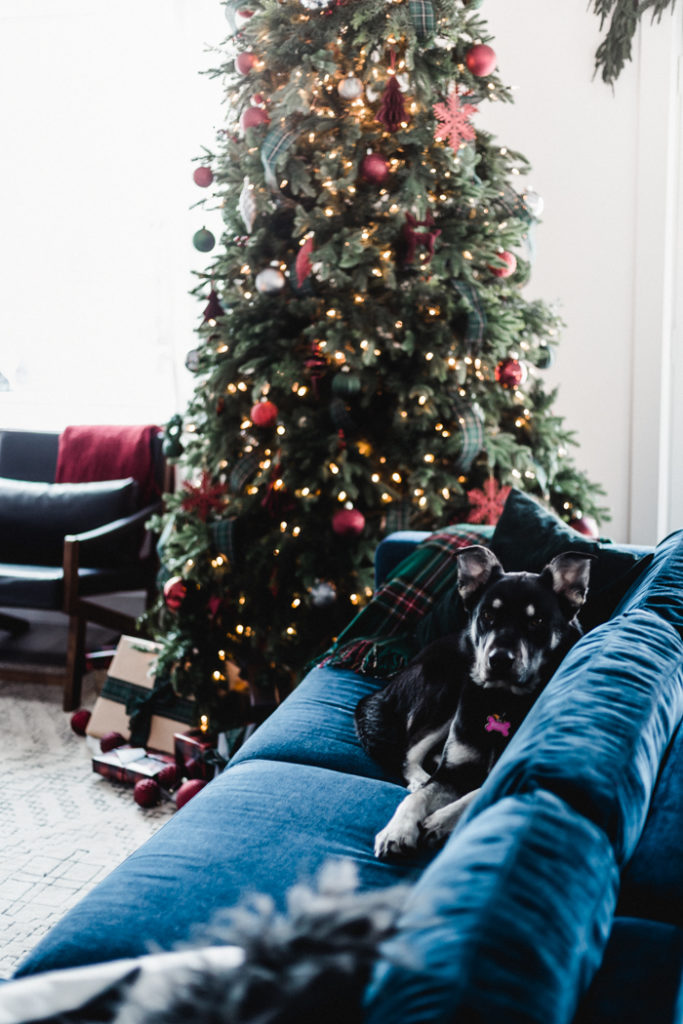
[275,145]
[223,536]
[245,469]
[471,431]
[379,640]
[476,318]
[424,20]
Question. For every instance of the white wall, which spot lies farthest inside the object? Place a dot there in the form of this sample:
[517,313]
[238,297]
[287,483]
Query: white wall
[601,161]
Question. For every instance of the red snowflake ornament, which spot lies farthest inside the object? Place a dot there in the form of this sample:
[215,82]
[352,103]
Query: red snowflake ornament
[486,505]
[454,126]
[203,497]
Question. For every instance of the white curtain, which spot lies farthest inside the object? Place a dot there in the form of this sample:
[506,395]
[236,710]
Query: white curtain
[103,110]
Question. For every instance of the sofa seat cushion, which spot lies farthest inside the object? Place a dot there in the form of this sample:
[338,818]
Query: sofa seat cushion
[314,725]
[508,923]
[260,827]
[35,517]
[597,734]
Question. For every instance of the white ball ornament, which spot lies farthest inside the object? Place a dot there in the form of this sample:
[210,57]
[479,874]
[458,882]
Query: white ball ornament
[350,88]
[270,281]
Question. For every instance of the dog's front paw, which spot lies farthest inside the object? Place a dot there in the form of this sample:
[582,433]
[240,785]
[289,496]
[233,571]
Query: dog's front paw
[438,825]
[392,842]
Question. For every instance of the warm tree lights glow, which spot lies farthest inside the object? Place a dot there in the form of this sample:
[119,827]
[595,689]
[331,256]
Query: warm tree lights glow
[372,357]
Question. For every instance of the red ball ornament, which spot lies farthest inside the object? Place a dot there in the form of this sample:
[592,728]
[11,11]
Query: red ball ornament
[146,793]
[585,525]
[264,414]
[188,790]
[348,522]
[175,592]
[481,60]
[374,168]
[79,721]
[253,117]
[244,62]
[168,776]
[510,373]
[110,741]
[203,177]
[510,261]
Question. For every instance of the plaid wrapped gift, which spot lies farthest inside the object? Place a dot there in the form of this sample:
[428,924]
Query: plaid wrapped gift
[380,640]
[193,750]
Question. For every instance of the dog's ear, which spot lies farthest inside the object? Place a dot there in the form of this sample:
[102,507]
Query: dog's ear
[568,575]
[477,566]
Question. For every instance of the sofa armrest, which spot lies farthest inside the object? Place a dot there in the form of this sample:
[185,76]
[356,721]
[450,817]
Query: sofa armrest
[393,549]
[117,528]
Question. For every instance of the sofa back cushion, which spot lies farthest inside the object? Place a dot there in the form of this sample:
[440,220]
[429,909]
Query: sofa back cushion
[28,454]
[35,517]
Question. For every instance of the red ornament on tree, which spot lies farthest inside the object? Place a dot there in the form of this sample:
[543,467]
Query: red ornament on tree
[244,62]
[510,261]
[253,117]
[302,263]
[510,373]
[585,525]
[264,414]
[374,168]
[110,741]
[203,176]
[348,522]
[175,592]
[481,60]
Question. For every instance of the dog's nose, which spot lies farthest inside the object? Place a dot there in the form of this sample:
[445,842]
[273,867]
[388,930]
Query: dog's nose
[501,660]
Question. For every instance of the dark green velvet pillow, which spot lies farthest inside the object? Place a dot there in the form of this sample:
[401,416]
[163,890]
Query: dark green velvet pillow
[528,536]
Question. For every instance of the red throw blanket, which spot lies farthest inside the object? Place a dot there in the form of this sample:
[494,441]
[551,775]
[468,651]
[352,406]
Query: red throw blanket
[89,453]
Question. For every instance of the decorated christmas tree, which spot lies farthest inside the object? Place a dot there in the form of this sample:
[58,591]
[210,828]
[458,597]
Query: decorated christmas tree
[367,360]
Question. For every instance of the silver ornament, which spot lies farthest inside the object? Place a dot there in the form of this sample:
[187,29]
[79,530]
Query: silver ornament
[270,281]
[350,88]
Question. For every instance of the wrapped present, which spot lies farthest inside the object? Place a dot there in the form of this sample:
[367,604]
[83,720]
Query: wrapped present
[130,764]
[133,704]
[195,754]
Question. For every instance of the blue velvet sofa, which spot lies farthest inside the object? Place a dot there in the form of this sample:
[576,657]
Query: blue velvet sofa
[559,898]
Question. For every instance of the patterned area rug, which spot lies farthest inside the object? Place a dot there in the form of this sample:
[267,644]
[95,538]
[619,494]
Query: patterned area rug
[63,826]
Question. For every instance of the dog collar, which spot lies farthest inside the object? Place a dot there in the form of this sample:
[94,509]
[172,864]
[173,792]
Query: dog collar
[496,723]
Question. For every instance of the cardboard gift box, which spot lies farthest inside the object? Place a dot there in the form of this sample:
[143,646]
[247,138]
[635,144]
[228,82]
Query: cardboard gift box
[130,764]
[131,698]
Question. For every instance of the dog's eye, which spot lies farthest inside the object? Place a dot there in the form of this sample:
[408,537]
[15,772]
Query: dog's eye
[537,622]
[486,616]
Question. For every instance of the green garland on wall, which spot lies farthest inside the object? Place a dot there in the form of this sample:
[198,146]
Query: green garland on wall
[624,17]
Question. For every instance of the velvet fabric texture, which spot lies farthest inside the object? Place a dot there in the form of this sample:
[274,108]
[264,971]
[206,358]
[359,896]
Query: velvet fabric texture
[101,452]
[507,924]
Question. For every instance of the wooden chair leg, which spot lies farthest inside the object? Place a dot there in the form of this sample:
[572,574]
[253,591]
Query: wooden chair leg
[75,663]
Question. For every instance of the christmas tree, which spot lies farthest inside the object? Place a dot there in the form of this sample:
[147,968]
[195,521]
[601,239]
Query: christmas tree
[367,360]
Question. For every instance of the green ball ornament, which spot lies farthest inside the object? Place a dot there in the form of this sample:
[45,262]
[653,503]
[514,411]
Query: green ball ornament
[345,385]
[203,240]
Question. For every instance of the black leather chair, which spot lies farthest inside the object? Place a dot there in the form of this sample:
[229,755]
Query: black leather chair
[63,544]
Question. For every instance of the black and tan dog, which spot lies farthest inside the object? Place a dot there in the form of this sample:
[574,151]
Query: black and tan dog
[444,721]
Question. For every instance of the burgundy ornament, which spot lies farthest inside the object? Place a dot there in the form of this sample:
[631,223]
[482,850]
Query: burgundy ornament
[188,790]
[213,307]
[110,741]
[146,793]
[203,176]
[245,62]
[79,721]
[510,261]
[374,168]
[481,60]
[175,592]
[264,414]
[392,112]
[168,776]
[585,525]
[510,373]
[253,117]
[419,233]
[348,522]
